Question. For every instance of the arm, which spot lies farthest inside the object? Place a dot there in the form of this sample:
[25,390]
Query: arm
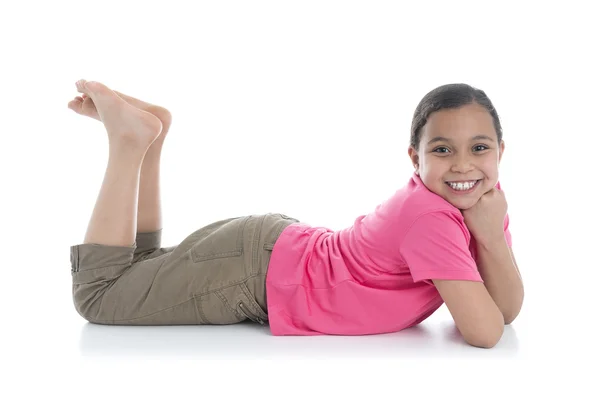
[475,313]
[501,276]
[436,248]
[515,262]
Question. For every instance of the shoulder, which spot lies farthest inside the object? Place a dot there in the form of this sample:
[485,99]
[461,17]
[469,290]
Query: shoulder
[419,201]
[415,200]
[436,246]
[427,210]
[440,233]
[437,225]
[416,211]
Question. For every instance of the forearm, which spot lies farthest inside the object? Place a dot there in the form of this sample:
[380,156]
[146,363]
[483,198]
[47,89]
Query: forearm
[149,207]
[500,276]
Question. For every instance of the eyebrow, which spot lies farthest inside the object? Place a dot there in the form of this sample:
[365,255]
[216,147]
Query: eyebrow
[443,139]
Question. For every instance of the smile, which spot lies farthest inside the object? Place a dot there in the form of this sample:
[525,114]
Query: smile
[463,187]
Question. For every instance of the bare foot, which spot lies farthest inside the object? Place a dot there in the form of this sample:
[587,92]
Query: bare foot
[84,105]
[124,123]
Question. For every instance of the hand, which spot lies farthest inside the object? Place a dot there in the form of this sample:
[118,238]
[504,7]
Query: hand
[485,219]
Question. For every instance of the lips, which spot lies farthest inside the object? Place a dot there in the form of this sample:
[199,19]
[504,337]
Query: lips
[464,191]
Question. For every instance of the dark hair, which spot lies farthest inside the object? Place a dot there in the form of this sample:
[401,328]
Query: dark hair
[453,95]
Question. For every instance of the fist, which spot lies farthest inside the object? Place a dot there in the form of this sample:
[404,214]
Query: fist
[485,219]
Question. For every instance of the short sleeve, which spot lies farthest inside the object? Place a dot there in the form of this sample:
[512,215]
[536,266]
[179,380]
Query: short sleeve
[436,246]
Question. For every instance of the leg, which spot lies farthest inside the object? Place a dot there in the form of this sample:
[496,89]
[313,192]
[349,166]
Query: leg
[114,218]
[149,207]
[131,132]
[149,225]
[195,283]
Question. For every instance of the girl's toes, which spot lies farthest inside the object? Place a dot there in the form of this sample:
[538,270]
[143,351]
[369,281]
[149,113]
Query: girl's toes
[86,87]
[80,84]
[96,87]
[75,105]
[92,88]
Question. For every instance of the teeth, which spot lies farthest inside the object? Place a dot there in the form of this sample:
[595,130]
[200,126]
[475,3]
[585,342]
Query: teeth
[462,185]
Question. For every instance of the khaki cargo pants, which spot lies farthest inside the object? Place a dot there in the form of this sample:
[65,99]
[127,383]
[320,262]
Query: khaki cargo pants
[215,276]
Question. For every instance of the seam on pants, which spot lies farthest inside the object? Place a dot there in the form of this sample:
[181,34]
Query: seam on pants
[255,244]
[156,312]
[75,261]
[224,300]
[240,238]
[154,279]
[264,282]
[104,266]
[282,226]
[133,319]
[199,307]
[253,300]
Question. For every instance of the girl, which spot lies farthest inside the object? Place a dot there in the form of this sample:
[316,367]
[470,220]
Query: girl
[443,237]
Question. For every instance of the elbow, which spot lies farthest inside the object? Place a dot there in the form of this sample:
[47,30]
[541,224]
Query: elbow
[484,342]
[508,319]
[512,314]
[487,340]
[486,335]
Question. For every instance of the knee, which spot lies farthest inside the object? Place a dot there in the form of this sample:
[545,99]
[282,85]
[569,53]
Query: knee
[88,300]
[94,269]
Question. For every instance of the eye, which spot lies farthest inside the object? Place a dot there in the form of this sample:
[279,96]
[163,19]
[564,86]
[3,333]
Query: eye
[484,147]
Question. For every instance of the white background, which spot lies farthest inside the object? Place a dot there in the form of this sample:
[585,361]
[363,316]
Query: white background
[302,108]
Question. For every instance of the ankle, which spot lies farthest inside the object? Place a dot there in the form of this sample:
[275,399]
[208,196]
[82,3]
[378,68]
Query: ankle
[130,154]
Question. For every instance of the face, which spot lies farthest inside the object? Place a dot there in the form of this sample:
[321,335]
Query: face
[453,149]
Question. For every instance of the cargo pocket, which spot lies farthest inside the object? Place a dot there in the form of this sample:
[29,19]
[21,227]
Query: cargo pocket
[219,240]
[218,256]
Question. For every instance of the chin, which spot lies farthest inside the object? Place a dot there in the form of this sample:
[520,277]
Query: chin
[464,203]
[462,207]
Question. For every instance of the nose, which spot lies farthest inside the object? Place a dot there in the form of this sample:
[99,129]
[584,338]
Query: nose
[462,164]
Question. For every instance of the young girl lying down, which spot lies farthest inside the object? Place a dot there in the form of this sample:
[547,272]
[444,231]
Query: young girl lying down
[441,238]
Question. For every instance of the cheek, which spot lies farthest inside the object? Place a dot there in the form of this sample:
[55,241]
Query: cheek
[489,183]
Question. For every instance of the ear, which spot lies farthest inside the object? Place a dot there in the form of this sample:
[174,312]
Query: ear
[414,156]
[501,151]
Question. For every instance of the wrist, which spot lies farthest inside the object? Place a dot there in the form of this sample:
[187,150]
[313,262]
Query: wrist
[491,242]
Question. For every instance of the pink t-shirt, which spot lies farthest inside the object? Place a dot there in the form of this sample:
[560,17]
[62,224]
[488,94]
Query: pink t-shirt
[374,276]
